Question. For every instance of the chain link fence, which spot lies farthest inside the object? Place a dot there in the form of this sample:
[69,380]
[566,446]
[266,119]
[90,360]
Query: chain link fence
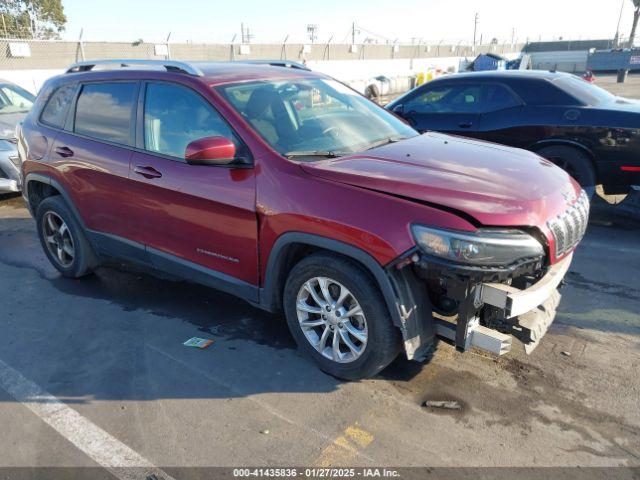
[16,53]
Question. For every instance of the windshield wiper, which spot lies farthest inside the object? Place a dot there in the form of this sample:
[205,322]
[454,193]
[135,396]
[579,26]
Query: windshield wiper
[314,153]
[384,141]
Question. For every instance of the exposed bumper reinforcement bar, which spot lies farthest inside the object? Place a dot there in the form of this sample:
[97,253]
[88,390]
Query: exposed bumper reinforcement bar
[478,336]
[517,302]
[532,311]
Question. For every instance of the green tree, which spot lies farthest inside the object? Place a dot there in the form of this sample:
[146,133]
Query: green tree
[32,18]
[636,16]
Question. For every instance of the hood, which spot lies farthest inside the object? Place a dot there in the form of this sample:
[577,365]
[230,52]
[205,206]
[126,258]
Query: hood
[8,122]
[496,185]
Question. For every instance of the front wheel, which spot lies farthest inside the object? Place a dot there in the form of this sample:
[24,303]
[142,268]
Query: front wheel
[338,318]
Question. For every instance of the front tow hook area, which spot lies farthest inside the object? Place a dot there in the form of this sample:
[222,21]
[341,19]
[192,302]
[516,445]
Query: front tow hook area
[525,314]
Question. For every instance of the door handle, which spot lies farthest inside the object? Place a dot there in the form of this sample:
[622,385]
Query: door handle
[147,172]
[64,152]
[465,124]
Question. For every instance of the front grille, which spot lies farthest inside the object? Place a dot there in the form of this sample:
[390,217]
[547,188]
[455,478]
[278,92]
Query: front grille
[568,228]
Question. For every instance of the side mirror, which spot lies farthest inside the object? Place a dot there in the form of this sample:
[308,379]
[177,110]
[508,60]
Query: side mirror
[210,151]
[399,109]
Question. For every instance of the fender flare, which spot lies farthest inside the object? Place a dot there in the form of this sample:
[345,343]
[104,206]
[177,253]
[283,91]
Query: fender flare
[410,312]
[272,280]
[47,180]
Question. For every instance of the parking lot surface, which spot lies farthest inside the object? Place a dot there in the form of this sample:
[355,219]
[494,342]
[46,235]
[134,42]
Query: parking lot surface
[105,353]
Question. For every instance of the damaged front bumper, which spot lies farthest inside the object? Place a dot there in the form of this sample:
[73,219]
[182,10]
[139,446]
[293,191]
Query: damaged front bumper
[492,307]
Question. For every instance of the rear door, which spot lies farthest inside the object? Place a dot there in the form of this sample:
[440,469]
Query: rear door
[40,133]
[445,107]
[93,152]
[191,217]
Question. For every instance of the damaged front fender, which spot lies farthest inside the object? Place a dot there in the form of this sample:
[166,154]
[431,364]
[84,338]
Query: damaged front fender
[416,316]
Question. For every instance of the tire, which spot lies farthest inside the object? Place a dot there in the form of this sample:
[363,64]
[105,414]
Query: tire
[575,162]
[382,343]
[83,259]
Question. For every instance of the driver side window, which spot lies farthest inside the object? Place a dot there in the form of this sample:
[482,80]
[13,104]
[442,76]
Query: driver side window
[175,116]
[446,99]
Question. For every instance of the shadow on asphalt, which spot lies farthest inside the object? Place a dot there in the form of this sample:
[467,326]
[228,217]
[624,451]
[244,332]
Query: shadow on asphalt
[243,370]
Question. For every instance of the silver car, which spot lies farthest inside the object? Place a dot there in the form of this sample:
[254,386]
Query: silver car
[15,102]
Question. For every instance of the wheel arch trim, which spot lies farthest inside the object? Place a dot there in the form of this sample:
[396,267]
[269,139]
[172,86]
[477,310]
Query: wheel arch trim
[408,306]
[48,180]
[273,276]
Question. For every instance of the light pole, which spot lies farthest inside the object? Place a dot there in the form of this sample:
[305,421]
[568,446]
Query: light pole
[475,29]
[616,39]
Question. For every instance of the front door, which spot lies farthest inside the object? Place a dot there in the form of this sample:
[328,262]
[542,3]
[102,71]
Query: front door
[197,219]
[450,108]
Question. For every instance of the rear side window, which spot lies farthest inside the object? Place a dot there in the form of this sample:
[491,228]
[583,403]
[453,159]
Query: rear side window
[56,108]
[103,111]
[541,92]
[174,116]
[498,97]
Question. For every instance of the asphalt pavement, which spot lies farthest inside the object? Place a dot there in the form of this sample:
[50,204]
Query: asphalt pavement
[97,365]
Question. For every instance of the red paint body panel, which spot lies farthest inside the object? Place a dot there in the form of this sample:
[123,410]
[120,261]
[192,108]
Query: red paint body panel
[491,183]
[203,214]
[96,177]
[227,219]
[210,148]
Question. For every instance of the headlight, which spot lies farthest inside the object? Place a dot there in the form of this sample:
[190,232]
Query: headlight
[483,248]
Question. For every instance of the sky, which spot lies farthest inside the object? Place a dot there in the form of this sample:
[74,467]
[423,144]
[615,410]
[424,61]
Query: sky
[385,20]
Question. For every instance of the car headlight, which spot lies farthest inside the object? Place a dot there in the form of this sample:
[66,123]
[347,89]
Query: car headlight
[483,248]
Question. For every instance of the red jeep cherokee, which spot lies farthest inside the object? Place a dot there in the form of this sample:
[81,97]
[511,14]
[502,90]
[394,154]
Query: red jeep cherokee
[289,190]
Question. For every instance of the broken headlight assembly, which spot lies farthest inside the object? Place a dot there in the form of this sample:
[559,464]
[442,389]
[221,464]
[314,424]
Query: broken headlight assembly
[485,247]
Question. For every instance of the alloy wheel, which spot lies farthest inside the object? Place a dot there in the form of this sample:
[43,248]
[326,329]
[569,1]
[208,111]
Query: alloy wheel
[58,238]
[331,319]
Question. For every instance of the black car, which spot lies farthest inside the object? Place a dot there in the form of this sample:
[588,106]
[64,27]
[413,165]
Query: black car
[592,134]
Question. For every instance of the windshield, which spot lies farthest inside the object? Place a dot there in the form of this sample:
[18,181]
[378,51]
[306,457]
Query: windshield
[14,99]
[585,92]
[314,117]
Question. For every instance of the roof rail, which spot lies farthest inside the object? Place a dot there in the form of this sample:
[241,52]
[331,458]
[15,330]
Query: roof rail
[278,63]
[169,65]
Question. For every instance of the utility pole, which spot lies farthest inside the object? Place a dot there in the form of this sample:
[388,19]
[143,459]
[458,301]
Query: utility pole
[636,17]
[616,39]
[353,33]
[312,31]
[245,35]
[475,29]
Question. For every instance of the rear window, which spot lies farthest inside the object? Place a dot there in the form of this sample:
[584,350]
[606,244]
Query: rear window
[585,92]
[56,109]
[103,111]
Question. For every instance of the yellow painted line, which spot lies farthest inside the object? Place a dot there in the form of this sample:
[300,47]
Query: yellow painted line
[345,447]
[359,436]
